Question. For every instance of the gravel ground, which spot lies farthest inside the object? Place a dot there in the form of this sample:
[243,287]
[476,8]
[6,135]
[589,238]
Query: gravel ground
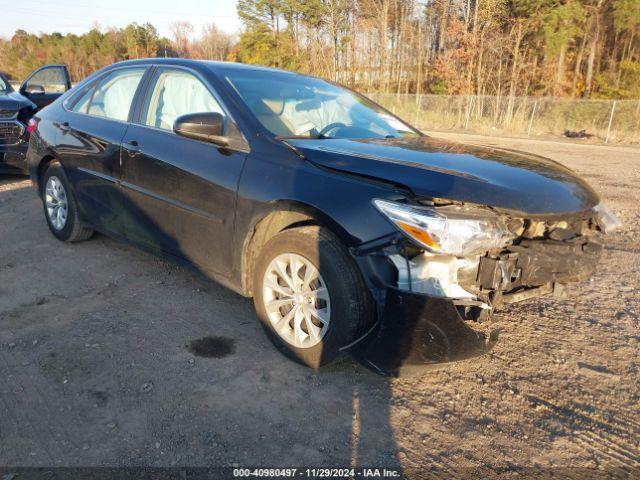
[96,369]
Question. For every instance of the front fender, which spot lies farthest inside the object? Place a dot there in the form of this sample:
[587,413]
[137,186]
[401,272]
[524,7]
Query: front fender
[278,180]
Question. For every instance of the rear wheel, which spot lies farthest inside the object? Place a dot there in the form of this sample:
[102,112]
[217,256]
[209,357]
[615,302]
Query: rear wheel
[309,295]
[60,208]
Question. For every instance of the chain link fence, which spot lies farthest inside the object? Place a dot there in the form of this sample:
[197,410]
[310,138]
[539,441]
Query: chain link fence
[607,121]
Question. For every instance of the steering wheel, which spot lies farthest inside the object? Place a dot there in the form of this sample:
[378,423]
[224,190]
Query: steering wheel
[331,126]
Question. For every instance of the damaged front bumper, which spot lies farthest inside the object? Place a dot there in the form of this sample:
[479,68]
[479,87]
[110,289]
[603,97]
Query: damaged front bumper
[418,330]
[534,268]
[424,299]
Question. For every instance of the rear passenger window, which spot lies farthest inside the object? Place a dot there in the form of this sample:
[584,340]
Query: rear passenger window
[176,93]
[113,96]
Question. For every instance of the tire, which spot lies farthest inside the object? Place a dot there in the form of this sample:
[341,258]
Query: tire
[56,190]
[349,306]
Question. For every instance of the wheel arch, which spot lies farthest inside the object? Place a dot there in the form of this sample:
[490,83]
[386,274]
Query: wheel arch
[282,215]
[42,167]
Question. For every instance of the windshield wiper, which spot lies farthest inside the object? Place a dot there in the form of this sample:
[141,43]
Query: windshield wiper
[314,136]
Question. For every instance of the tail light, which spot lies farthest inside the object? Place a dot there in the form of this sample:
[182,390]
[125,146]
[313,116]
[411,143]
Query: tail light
[32,126]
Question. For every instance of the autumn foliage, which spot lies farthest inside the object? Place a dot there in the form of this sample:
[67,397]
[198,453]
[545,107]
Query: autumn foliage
[503,48]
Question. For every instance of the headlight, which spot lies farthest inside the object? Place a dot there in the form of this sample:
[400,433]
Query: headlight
[467,232]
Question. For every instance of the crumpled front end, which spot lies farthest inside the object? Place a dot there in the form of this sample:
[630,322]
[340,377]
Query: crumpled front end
[14,139]
[426,297]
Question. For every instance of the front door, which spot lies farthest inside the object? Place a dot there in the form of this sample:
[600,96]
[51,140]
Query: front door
[179,192]
[46,84]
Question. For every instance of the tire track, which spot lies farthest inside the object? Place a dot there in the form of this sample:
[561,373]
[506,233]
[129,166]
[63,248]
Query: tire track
[611,452]
[620,448]
[603,438]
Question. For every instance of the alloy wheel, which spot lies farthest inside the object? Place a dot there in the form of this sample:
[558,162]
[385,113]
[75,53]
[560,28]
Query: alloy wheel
[56,202]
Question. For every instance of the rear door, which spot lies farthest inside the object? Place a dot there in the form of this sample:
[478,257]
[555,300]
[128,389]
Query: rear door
[89,138]
[179,192]
[46,84]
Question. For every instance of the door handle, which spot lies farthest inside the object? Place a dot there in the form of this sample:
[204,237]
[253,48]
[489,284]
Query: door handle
[64,127]
[132,148]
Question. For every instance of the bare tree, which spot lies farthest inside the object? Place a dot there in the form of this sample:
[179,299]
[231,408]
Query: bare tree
[182,33]
[214,44]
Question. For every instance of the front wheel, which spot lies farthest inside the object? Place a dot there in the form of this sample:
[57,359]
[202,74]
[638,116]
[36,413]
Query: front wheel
[60,208]
[309,295]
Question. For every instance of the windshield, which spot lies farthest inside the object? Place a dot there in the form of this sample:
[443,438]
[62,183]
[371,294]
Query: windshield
[291,105]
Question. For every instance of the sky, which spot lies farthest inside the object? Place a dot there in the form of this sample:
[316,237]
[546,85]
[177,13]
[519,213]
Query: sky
[70,16]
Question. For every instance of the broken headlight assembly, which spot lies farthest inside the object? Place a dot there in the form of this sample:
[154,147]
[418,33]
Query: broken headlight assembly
[455,231]
[482,259]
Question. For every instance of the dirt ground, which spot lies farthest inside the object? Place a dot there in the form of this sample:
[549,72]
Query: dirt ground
[95,369]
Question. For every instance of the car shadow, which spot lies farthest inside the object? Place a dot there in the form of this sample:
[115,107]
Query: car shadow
[349,420]
[9,178]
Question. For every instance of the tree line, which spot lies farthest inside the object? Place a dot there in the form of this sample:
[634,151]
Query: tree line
[504,48]
[576,48]
[86,53]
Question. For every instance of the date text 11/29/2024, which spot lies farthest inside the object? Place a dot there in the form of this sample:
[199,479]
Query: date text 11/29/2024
[317,472]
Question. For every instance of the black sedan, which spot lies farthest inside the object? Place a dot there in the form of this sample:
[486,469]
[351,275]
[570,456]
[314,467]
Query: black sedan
[347,226]
[41,87]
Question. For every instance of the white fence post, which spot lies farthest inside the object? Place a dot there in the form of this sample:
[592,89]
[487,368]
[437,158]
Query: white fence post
[535,106]
[469,108]
[418,109]
[613,109]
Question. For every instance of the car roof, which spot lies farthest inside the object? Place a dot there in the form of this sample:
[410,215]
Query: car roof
[209,64]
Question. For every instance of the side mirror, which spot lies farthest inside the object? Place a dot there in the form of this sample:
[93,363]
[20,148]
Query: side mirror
[206,127]
[34,90]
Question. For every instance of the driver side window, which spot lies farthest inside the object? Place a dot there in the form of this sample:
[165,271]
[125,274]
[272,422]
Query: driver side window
[176,93]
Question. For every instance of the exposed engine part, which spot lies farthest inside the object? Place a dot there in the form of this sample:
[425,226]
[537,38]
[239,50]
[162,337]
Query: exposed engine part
[521,295]
[563,229]
[558,254]
[545,255]
[537,262]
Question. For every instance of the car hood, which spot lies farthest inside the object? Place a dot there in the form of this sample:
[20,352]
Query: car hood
[13,102]
[441,169]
